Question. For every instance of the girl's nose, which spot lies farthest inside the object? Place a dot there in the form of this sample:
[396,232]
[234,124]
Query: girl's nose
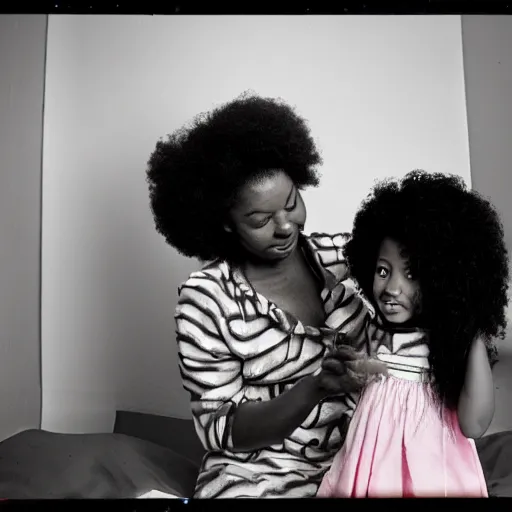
[393,287]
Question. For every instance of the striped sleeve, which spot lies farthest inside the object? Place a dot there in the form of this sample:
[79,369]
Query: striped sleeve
[210,371]
[348,311]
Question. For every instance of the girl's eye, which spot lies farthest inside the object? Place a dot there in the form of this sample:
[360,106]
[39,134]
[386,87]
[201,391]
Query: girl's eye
[382,272]
[409,275]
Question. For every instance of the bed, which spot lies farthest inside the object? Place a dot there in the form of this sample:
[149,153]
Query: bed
[148,452]
[144,453]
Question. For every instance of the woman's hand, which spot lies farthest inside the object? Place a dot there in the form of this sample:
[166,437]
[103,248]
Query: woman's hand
[260,424]
[346,371]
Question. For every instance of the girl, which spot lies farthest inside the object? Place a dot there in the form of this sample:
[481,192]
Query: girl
[431,257]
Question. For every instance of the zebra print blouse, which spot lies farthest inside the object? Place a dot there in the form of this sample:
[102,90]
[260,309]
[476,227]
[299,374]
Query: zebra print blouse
[234,345]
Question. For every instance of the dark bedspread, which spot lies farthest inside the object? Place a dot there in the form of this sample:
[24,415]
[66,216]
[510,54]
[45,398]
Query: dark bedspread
[39,464]
[495,453]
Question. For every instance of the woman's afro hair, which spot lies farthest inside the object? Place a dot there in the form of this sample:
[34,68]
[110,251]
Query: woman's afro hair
[454,240]
[195,174]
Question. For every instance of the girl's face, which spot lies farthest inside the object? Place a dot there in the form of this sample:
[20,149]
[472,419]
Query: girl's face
[268,216]
[395,290]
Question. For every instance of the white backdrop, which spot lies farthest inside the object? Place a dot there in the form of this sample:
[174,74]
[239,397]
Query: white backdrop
[383,95]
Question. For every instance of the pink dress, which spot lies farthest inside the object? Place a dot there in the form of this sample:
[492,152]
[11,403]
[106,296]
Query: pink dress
[399,442]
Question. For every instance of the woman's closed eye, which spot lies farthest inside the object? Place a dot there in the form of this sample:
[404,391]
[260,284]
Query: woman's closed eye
[292,207]
[263,222]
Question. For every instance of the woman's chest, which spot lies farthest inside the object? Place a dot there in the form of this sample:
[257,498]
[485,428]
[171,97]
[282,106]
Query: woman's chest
[297,294]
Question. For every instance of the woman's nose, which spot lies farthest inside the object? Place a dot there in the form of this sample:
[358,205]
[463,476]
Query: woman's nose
[283,225]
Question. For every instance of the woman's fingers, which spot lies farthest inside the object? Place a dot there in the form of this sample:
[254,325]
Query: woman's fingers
[359,363]
[367,366]
[363,365]
[347,381]
[354,381]
[339,385]
[334,366]
[374,367]
[345,353]
[346,371]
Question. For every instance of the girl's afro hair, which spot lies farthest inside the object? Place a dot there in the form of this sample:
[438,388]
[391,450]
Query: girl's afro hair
[455,243]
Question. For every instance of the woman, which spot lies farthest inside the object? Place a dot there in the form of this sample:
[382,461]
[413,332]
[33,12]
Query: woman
[268,383]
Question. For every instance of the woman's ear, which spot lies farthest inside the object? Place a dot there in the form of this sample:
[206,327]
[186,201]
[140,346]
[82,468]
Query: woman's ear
[228,228]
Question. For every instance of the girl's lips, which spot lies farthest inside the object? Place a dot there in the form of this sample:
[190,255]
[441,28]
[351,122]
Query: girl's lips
[391,308]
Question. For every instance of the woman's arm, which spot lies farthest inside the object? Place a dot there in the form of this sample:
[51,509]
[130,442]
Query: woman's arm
[476,402]
[260,424]
[213,374]
[211,362]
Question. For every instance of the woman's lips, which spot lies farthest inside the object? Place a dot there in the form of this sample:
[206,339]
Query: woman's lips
[285,246]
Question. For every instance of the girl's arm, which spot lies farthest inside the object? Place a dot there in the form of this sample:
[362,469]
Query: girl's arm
[476,402]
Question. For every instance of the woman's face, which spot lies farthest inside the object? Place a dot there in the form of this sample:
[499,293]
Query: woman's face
[395,290]
[268,216]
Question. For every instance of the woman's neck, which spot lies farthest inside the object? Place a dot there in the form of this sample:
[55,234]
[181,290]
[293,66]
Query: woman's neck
[273,270]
